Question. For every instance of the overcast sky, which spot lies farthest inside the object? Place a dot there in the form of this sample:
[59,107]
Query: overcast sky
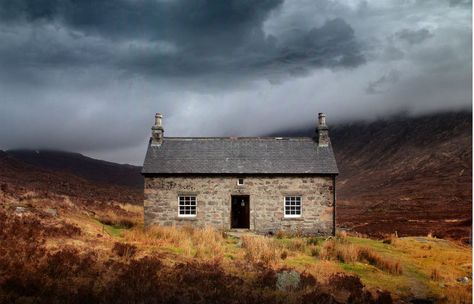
[88,75]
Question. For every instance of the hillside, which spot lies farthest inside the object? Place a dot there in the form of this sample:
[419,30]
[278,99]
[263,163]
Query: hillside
[17,178]
[82,166]
[413,176]
[407,174]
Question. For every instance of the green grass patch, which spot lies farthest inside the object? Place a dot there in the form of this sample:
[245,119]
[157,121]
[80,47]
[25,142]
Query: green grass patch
[374,244]
[299,260]
[174,250]
[114,231]
[375,278]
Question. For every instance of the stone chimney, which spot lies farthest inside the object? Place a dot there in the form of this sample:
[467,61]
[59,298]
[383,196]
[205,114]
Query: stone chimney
[157,131]
[322,131]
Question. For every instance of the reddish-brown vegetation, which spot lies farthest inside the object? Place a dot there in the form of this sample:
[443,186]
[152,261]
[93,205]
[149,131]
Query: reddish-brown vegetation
[33,273]
[409,175]
[18,178]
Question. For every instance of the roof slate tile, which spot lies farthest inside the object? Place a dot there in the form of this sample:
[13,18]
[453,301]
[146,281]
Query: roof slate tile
[239,155]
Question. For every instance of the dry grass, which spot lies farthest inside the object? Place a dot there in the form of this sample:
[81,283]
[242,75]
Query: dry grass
[457,294]
[205,243]
[296,244]
[347,252]
[341,234]
[436,275]
[392,239]
[259,249]
[208,242]
[119,217]
[383,263]
[448,258]
[430,262]
[323,270]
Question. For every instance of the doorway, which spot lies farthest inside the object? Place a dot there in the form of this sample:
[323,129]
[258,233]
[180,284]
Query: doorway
[240,211]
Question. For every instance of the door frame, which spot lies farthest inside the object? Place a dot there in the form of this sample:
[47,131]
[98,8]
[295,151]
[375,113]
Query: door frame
[248,217]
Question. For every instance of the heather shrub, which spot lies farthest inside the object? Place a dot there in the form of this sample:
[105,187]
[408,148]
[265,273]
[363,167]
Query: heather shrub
[124,250]
[351,284]
[139,280]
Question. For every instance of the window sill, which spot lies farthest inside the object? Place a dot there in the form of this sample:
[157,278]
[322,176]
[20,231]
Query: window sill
[293,218]
[186,218]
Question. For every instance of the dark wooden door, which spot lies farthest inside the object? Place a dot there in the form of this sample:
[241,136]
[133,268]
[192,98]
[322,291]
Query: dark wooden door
[240,211]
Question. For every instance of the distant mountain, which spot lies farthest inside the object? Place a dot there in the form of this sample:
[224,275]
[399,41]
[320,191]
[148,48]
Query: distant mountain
[407,174]
[20,178]
[82,166]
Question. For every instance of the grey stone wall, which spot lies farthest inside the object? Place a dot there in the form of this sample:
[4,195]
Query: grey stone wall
[266,202]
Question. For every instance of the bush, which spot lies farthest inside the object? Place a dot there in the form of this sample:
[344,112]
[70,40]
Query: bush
[351,284]
[124,250]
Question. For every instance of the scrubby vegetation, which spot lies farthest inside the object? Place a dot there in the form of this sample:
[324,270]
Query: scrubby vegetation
[101,253]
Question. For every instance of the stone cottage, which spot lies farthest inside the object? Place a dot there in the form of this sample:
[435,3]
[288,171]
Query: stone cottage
[264,184]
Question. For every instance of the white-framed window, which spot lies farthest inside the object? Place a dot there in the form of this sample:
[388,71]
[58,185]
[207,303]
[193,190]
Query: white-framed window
[292,206]
[187,205]
[240,182]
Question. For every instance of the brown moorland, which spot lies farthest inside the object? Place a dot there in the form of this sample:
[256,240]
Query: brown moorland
[57,248]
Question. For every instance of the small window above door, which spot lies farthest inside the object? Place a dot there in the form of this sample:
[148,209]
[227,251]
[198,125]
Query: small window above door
[240,182]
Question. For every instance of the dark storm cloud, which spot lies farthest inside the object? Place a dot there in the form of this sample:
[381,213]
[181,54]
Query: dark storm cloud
[88,75]
[178,38]
[413,36]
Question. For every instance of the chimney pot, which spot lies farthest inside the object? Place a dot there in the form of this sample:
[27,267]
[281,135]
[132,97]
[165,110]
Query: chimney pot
[322,132]
[157,130]
[322,119]
[158,118]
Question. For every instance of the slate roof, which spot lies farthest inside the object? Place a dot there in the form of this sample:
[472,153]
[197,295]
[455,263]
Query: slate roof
[239,155]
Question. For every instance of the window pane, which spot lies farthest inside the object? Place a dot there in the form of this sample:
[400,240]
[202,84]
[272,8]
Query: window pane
[187,205]
[293,205]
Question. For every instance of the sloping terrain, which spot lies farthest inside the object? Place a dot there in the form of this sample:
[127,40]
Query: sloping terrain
[18,178]
[82,166]
[411,175]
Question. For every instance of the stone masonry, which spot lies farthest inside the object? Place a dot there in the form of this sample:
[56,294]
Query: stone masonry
[267,193]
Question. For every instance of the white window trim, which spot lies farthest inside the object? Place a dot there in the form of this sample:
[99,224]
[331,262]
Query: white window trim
[187,215]
[239,184]
[292,215]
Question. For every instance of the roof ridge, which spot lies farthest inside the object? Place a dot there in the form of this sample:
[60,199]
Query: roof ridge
[239,137]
